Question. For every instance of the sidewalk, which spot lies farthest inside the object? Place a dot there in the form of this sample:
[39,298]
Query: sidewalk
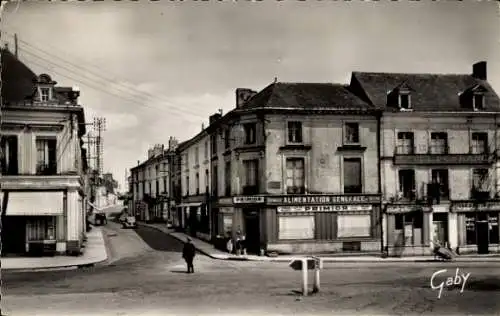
[209,250]
[94,252]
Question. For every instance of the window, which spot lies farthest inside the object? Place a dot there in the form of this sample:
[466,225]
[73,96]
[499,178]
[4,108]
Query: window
[478,101]
[157,192]
[295,132]
[353,225]
[351,135]
[470,229]
[206,181]
[440,180]
[405,143]
[44,94]
[227,138]
[9,155]
[296,227]
[479,143]
[206,149]
[213,141]
[187,185]
[404,101]
[295,176]
[439,143]
[251,177]
[407,184]
[352,175]
[227,176]
[493,227]
[196,155]
[197,179]
[150,191]
[46,156]
[480,184]
[250,133]
[410,225]
[41,228]
[227,224]
[215,182]
[186,156]
[165,186]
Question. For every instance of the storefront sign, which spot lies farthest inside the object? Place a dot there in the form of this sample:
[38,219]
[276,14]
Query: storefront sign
[399,209]
[449,159]
[324,199]
[323,208]
[248,199]
[473,207]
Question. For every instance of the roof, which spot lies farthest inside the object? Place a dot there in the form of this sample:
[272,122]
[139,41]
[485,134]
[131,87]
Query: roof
[17,78]
[429,92]
[18,81]
[307,96]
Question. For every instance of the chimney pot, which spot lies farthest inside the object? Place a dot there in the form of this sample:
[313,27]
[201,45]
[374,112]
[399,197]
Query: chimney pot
[479,70]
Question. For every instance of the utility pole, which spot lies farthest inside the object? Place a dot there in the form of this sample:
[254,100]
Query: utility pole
[99,127]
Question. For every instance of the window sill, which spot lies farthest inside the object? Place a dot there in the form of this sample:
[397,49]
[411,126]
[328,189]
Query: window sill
[351,147]
[296,147]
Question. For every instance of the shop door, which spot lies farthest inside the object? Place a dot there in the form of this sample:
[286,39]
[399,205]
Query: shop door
[13,235]
[252,231]
[440,223]
[482,229]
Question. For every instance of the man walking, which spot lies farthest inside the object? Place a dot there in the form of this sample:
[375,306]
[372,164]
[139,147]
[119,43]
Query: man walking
[188,253]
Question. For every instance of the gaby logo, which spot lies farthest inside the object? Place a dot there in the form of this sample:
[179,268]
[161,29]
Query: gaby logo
[450,282]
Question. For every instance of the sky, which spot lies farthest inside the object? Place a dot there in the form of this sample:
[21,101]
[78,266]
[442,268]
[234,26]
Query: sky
[160,69]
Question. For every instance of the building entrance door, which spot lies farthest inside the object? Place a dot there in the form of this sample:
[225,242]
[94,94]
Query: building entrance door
[482,229]
[13,235]
[440,223]
[252,230]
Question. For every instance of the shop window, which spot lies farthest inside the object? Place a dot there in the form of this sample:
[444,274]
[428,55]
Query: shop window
[295,177]
[493,227]
[411,224]
[399,219]
[470,229]
[439,143]
[352,175]
[41,228]
[227,224]
[353,225]
[296,227]
[405,143]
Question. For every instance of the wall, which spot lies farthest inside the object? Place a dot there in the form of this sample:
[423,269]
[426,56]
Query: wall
[193,161]
[323,161]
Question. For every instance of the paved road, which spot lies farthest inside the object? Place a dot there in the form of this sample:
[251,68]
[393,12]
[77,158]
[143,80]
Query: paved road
[145,281]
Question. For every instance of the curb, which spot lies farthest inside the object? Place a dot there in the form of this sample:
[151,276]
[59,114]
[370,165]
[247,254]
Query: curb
[65,267]
[331,260]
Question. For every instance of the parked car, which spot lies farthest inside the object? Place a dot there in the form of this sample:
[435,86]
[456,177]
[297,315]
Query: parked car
[129,222]
[100,219]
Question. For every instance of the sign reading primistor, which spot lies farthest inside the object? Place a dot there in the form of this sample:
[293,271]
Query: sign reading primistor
[296,227]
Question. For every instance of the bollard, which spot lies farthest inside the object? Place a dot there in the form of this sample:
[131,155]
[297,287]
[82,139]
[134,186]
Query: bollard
[304,277]
[317,268]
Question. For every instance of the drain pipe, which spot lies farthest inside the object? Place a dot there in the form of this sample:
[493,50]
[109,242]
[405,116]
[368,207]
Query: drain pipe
[379,156]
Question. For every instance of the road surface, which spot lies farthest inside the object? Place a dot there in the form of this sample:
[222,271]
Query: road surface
[146,276]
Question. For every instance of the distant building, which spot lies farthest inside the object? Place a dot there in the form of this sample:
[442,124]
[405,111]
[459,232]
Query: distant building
[151,184]
[44,182]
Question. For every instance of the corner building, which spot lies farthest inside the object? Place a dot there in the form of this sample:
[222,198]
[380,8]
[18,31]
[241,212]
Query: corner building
[438,160]
[295,169]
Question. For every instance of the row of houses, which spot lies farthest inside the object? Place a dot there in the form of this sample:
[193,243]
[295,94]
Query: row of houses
[44,182]
[389,162]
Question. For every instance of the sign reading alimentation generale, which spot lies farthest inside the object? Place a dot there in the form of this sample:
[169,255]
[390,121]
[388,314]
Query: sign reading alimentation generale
[323,199]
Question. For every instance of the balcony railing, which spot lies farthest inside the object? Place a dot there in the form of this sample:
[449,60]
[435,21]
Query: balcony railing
[439,155]
[46,168]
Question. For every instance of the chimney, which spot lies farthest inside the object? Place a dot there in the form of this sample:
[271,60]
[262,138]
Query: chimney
[172,143]
[202,126]
[138,162]
[150,153]
[479,70]
[243,95]
[213,118]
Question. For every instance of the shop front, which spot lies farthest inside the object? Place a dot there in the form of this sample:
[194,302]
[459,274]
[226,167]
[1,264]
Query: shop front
[408,229]
[477,226]
[322,224]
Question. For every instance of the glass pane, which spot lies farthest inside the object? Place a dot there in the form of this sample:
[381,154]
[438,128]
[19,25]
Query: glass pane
[352,172]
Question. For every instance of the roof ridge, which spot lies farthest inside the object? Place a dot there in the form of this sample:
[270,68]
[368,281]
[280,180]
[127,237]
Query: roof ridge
[410,73]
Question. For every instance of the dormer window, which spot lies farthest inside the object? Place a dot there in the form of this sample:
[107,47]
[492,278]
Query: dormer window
[44,94]
[404,101]
[478,101]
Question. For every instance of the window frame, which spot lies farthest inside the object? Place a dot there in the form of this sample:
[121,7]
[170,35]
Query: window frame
[356,141]
[432,141]
[407,195]
[400,144]
[477,137]
[475,97]
[297,189]
[294,132]
[361,173]
[250,133]
[406,94]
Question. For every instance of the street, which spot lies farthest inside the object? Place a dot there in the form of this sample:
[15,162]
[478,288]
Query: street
[146,276]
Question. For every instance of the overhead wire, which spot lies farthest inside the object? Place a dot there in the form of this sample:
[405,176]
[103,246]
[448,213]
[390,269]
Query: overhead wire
[116,81]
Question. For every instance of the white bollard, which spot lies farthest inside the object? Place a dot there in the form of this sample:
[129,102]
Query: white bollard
[316,280]
[304,277]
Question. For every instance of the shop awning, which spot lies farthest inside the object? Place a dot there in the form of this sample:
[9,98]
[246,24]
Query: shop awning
[45,203]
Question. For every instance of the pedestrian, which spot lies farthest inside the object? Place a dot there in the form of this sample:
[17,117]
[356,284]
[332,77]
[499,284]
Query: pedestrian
[188,253]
